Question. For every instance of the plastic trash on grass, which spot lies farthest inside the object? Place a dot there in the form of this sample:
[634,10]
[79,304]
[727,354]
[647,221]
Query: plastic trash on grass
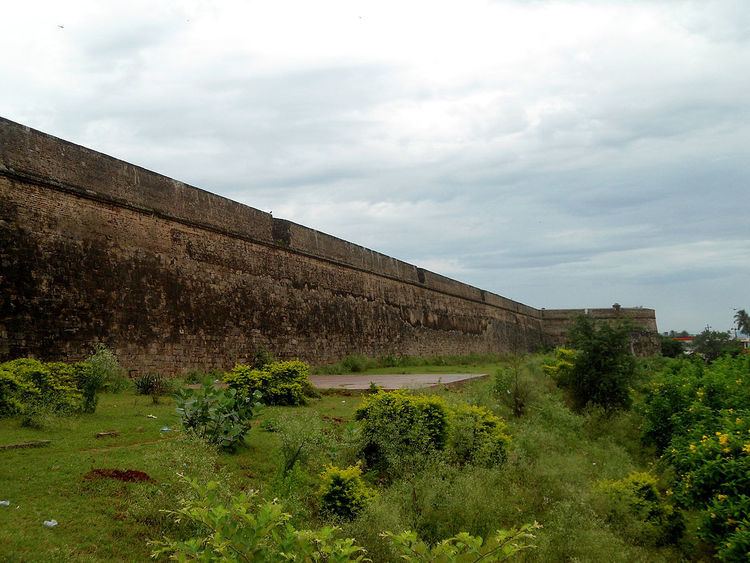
[50,523]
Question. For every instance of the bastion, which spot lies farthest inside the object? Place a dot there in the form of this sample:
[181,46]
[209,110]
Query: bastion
[174,278]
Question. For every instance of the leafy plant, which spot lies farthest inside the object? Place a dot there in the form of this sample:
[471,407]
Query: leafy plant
[343,493]
[395,424]
[604,367]
[712,344]
[301,436]
[637,510]
[220,417]
[103,368]
[30,386]
[241,529]
[463,546]
[512,387]
[279,383]
[477,436]
[153,384]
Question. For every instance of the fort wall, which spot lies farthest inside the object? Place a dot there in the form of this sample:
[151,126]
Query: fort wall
[172,277]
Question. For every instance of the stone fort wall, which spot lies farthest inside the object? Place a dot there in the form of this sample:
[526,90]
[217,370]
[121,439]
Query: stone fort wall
[171,277]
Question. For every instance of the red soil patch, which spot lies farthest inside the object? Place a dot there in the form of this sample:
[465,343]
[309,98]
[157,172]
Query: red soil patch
[127,475]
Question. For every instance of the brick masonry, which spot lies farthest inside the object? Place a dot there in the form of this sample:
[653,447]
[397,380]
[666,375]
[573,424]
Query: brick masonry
[172,278]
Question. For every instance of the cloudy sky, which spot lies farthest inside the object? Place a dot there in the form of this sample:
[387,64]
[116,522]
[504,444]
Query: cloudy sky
[563,154]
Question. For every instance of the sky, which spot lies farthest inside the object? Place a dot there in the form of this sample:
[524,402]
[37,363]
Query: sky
[562,154]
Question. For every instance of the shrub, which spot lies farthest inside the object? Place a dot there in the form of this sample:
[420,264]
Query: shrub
[33,386]
[102,367]
[562,367]
[513,388]
[262,357]
[636,510]
[220,417]
[477,436]
[395,424]
[279,383]
[301,436]
[343,493]
[604,367]
[463,546]
[726,526]
[240,529]
[154,384]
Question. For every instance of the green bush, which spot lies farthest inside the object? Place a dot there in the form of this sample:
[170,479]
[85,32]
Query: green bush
[636,510]
[727,527]
[241,529]
[395,424]
[477,436]
[279,383]
[220,417]
[699,416]
[504,545]
[153,384]
[604,367]
[301,437]
[343,493]
[34,386]
[102,367]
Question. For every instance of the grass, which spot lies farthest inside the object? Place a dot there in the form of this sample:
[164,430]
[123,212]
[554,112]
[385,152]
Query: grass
[556,458]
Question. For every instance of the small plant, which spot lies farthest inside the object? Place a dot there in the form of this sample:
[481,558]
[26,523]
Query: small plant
[242,529]
[512,387]
[343,493]
[220,417]
[395,424]
[477,436]
[637,511]
[604,367]
[103,368]
[279,383]
[262,358]
[463,546]
[34,387]
[301,436]
[153,384]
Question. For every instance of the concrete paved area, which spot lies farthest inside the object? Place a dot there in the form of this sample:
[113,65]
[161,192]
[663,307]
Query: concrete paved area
[391,381]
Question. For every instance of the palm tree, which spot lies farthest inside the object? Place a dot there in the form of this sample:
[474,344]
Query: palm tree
[743,321]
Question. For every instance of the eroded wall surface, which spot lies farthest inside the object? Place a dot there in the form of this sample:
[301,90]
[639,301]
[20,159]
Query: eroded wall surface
[93,249]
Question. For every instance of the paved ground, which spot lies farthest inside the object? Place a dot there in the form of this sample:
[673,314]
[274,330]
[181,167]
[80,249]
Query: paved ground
[395,381]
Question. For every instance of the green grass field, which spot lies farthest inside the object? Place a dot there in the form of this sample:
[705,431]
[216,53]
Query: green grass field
[556,458]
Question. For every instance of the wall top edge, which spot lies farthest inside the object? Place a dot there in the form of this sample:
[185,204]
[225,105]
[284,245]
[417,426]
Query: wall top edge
[52,161]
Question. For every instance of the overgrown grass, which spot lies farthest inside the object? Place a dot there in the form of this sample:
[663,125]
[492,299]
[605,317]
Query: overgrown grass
[410,364]
[555,460]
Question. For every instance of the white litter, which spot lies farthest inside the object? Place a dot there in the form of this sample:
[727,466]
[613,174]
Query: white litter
[150,416]
[4,503]
[166,429]
[50,523]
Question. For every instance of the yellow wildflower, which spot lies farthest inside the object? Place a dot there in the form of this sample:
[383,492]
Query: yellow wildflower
[723,439]
[692,447]
[722,498]
[746,448]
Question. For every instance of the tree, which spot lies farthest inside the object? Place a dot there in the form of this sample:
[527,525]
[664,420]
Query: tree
[671,348]
[604,367]
[743,321]
[712,344]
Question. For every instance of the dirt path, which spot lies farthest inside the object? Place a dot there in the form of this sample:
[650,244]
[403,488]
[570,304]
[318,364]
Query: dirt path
[394,381]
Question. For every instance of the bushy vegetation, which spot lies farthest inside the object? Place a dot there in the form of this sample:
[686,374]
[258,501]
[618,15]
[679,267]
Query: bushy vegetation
[603,366]
[699,417]
[639,512]
[241,528]
[343,494]
[477,436]
[279,383]
[218,416]
[397,425]
[37,389]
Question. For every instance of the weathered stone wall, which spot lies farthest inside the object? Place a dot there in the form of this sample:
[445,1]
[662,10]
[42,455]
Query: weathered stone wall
[93,249]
